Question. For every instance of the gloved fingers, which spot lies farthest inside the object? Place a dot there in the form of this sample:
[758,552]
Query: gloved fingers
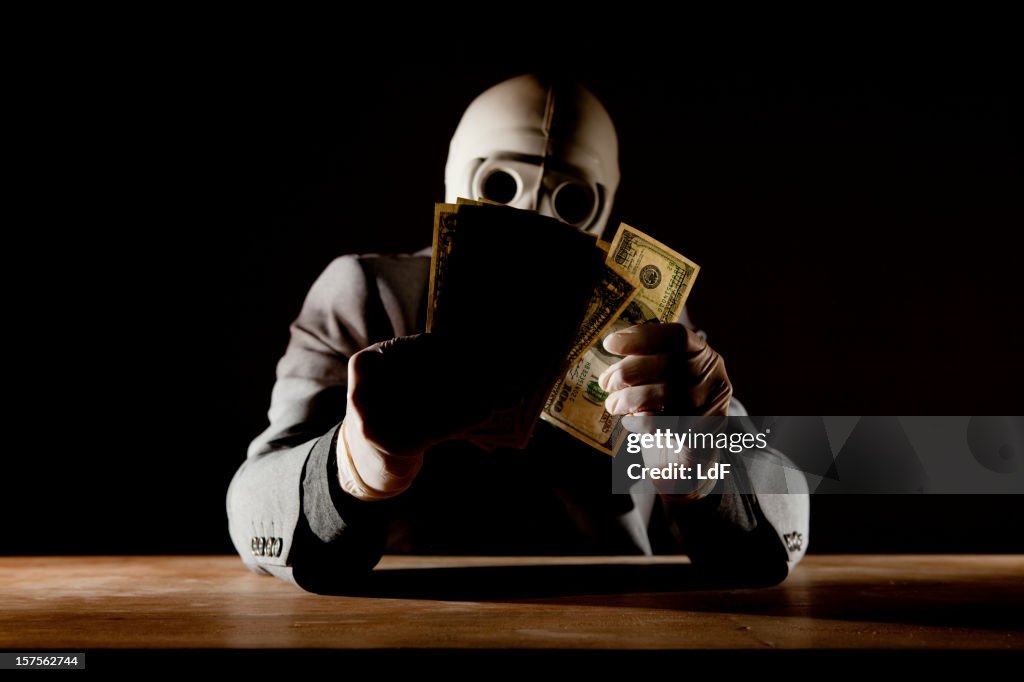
[371,359]
[361,368]
[386,471]
[700,364]
[400,343]
[638,400]
[649,339]
[709,397]
[411,392]
[634,370]
[366,470]
[713,396]
[708,394]
[640,423]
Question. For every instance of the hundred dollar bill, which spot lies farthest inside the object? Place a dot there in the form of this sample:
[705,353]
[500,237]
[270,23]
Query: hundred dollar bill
[665,275]
[512,425]
[613,292]
[445,228]
[576,404]
[446,222]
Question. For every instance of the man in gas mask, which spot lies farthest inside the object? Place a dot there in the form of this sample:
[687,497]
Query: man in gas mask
[354,462]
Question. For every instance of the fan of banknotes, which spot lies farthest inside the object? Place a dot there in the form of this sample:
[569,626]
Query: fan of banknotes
[527,300]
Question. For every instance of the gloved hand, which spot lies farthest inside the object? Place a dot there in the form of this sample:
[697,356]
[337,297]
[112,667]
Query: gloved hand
[668,369]
[404,395]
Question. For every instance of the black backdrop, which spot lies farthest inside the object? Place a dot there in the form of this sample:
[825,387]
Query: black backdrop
[852,221]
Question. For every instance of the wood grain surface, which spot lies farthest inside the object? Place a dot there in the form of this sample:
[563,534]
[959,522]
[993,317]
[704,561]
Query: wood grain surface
[622,603]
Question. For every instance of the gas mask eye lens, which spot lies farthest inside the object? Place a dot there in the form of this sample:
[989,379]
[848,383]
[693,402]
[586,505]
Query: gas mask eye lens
[573,203]
[500,186]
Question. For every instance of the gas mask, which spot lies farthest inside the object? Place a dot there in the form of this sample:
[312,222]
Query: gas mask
[540,146]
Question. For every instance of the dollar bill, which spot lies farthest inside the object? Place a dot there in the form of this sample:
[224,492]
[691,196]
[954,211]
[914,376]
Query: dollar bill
[512,424]
[612,293]
[576,404]
[445,229]
[498,427]
[642,281]
[666,276]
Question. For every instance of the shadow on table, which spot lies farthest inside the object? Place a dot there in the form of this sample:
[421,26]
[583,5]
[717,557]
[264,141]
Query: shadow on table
[504,583]
[988,605]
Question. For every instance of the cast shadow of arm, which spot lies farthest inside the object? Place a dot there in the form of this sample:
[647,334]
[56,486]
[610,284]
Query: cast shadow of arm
[502,583]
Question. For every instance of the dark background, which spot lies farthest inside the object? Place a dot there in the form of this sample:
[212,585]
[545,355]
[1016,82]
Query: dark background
[853,222]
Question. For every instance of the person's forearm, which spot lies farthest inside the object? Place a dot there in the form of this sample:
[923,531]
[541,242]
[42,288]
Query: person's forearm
[754,524]
[288,516]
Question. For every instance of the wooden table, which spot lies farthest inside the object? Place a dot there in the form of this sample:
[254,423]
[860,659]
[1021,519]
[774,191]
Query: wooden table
[441,603]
